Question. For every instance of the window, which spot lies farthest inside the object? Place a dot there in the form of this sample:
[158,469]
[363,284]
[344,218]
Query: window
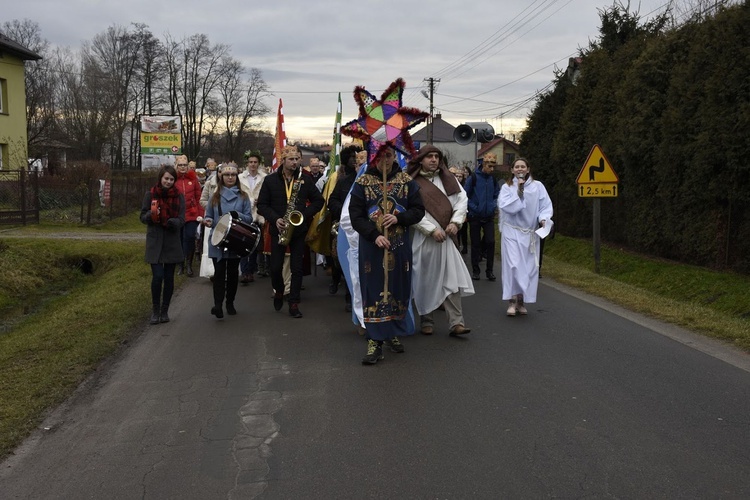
[510,158]
[3,95]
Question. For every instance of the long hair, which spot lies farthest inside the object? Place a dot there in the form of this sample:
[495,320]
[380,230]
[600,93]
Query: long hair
[520,158]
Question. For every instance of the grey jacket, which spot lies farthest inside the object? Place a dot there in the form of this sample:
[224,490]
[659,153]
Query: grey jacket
[163,245]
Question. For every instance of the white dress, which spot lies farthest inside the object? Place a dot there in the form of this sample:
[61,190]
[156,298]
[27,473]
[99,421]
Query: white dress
[519,247]
[438,269]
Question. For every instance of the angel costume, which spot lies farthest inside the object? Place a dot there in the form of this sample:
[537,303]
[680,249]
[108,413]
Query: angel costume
[519,246]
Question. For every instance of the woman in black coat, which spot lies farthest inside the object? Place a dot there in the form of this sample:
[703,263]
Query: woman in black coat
[163,211]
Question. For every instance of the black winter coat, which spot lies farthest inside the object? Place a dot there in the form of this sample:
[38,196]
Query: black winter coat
[272,202]
[163,244]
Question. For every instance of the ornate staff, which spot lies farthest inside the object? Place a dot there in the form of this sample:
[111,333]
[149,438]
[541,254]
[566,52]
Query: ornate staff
[384,123]
[385,229]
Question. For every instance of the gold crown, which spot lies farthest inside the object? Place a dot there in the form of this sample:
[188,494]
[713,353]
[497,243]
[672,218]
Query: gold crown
[490,157]
[289,151]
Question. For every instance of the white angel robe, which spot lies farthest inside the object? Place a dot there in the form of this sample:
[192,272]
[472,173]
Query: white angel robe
[519,244]
[437,268]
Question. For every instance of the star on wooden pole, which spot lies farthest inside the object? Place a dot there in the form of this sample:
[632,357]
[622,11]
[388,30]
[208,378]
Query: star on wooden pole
[385,122]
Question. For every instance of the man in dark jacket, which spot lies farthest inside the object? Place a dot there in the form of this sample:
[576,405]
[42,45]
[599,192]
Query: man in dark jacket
[287,182]
[483,189]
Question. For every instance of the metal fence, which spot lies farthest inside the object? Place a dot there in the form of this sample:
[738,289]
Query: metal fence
[28,197]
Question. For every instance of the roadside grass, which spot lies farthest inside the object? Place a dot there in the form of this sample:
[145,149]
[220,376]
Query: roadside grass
[126,224]
[60,323]
[713,303]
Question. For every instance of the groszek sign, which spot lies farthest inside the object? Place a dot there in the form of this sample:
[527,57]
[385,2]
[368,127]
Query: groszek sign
[161,135]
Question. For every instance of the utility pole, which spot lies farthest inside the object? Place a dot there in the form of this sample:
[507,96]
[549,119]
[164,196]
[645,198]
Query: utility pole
[432,82]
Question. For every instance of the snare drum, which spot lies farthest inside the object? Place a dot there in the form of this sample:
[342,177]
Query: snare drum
[235,235]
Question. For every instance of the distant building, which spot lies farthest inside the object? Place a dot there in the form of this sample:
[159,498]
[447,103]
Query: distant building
[506,151]
[13,136]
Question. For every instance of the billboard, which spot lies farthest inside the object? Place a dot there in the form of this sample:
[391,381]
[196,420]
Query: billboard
[161,135]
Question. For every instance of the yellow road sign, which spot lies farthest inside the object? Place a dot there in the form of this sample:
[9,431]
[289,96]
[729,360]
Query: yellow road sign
[597,190]
[597,169]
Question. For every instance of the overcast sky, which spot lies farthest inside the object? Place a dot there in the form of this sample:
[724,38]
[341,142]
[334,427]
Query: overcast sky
[490,56]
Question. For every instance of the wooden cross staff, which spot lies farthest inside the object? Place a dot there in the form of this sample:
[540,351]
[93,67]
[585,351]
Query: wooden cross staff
[385,170]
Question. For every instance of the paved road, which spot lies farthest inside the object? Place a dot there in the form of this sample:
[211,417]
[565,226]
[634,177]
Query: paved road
[577,400]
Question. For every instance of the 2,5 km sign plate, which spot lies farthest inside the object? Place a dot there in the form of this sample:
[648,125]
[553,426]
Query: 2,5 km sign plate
[597,178]
[597,190]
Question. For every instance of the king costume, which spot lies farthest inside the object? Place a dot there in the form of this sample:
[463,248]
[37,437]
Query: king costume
[385,310]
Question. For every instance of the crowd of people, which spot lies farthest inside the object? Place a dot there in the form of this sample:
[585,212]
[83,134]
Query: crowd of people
[398,234]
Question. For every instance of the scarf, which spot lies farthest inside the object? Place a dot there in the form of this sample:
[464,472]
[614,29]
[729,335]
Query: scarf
[169,202]
[435,201]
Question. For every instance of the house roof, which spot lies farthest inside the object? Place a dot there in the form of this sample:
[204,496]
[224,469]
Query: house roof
[490,145]
[16,49]
[442,131]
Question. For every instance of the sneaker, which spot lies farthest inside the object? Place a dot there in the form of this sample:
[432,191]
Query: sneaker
[244,280]
[511,309]
[491,276]
[374,352]
[294,311]
[278,301]
[522,310]
[395,345]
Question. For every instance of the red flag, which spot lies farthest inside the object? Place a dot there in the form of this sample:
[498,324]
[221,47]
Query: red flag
[280,138]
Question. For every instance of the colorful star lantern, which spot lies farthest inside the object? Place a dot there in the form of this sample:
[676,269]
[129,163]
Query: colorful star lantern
[385,122]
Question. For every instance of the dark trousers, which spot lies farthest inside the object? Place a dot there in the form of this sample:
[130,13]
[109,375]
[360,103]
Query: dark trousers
[188,237]
[463,237]
[162,275]
[249,263]
[482,234]
[226,277]
[296,251]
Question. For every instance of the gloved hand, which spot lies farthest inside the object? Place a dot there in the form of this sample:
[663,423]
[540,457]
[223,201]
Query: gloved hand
[235,214]
[173,223]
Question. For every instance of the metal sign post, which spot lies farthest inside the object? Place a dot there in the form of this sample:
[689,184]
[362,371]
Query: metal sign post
[597,180]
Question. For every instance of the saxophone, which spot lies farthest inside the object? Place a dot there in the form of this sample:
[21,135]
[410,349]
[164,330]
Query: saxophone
[292,217]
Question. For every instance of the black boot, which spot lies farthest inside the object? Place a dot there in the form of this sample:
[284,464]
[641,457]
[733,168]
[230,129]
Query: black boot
[155,316]
[180,268]
[163,316]
[189,267]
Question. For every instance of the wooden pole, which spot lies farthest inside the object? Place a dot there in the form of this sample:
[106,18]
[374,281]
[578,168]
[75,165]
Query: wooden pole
[385,169]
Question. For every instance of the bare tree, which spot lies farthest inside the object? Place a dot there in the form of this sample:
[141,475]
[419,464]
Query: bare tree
[194,69]
[241,104]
